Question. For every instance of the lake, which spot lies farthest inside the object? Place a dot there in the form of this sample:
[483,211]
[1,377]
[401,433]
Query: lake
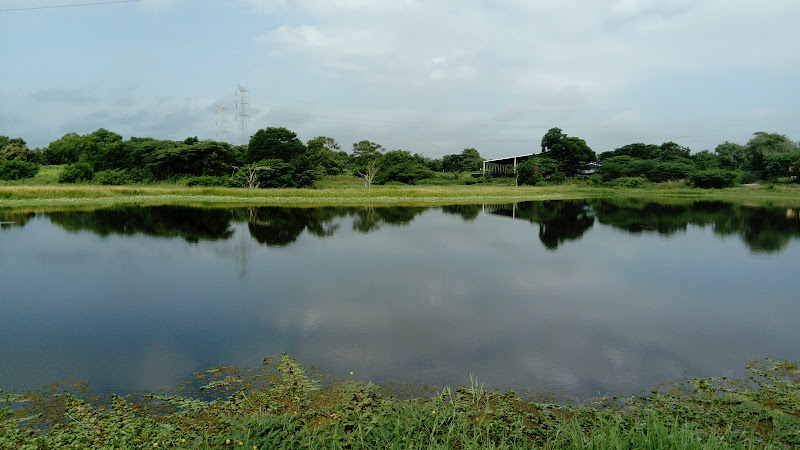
[581,297]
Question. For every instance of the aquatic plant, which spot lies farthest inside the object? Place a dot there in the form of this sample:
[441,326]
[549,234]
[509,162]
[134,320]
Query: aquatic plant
[281,404]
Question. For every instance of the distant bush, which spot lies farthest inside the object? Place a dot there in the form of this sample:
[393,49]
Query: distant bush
[76,172]
[479,180]
[435,182]
[16,169]
[557,177]
[114,177]
[714,179]
[528,173]
[117,177]
[595,180]
[748,177]
[409,172]
[670,170]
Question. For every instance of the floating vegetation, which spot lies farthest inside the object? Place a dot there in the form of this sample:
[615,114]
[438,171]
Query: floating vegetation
[281,404]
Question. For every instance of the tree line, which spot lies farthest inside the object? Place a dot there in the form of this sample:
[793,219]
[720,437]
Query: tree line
[276,157]
[765,157]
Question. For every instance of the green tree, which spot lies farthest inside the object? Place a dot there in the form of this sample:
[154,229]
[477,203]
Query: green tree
[636,150]
[365,152]
[68,149]
[779,165]
[552,138]
[104,150]
[16,150]
[74,173]
[572,153]
[766,143]
[399,165]
[274,143]
[365,160]
[469,160]
[331,159]
[204,158]
[669,151]
[713,179]
[101,137]
[528,173]
[15,169]
[705,160]
[431,163]
[290,162]
[731,156]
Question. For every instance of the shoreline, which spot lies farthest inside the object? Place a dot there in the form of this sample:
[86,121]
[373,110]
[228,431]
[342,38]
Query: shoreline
[14,197]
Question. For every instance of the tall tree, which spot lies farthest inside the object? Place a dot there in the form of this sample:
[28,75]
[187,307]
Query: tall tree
[570,152]
[274,143]
[551,138]
[327,152]
[469,160]
[365,152]
[16,150]
[68,149]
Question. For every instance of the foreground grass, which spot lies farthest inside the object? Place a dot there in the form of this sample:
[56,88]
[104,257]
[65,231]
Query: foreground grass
[280,405]
[98,196]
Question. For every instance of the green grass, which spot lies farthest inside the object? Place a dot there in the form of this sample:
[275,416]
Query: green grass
[349,191]
[283,405]
[44,192]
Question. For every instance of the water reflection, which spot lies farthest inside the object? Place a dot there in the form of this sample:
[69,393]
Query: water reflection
[584,297]
[559,221]
[191,224]
[763,229]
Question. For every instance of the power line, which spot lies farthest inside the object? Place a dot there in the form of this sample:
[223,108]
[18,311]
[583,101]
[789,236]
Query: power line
[243,104]
[222,123]
[74,5]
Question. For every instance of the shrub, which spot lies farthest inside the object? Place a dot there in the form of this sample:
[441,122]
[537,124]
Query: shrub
[17,169]
[666,171]
[405,172]
[715,178]
[557,177]
[118,177]
[479,180]
[114,177]
[528,173]
[76,172]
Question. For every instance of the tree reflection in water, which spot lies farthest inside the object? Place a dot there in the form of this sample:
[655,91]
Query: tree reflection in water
[763,229]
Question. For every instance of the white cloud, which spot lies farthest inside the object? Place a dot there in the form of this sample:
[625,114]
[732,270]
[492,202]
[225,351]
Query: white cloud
[428,75]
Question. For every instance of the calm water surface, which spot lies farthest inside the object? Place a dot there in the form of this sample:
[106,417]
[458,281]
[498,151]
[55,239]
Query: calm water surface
[585,298]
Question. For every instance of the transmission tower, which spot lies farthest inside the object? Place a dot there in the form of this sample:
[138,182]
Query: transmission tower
[243,105]
[222,124]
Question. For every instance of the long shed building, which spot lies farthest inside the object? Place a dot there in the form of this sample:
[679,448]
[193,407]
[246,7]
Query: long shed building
[503,166]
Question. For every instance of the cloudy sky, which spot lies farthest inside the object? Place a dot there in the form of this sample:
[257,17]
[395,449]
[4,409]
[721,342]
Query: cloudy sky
[430,77]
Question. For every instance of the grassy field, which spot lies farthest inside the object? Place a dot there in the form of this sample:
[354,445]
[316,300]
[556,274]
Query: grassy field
[282,405]
[344,190]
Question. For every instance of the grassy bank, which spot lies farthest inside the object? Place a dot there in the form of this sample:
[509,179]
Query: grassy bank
[281,405]
[98,196]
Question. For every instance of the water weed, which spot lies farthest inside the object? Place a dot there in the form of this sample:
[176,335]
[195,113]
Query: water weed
[281,404]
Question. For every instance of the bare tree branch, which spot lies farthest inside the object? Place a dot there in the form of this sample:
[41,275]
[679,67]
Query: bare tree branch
[371,171]
[250,173]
